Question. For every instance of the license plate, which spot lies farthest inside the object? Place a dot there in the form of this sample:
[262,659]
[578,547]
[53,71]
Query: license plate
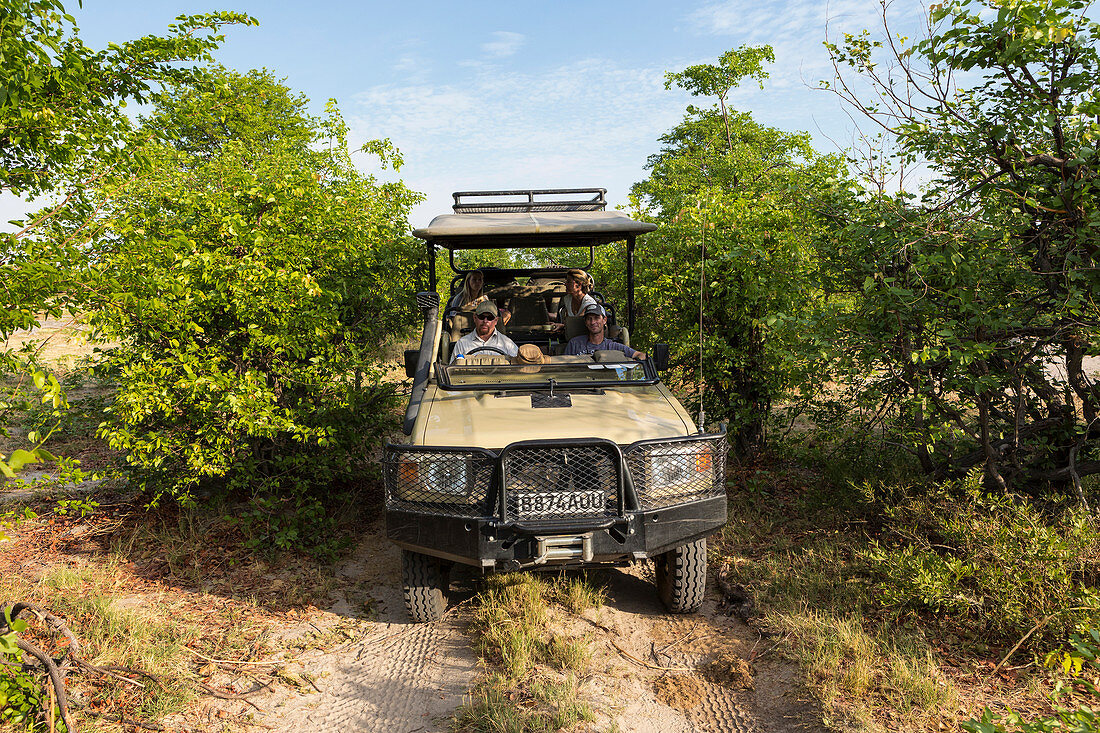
[559,503]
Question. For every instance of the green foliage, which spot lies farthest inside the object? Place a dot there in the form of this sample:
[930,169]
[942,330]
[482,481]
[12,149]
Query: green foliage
[968,314]
[250,282]
[77,507]
[22,701]
[33,387]
[62,126]
[12,518]
[715,80]
[60,117]
[1077,663]
[990,563]
[739,190]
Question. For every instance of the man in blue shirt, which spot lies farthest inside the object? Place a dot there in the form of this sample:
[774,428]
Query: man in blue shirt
[595,319]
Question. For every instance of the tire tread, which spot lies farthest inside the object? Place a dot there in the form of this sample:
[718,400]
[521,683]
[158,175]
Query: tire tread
[682,576]
[424,585]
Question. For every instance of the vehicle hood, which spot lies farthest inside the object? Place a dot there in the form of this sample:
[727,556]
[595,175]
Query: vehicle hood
[495,419]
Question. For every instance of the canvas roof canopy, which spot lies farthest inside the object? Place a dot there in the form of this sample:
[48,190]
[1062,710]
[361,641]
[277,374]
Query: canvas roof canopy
[531,229]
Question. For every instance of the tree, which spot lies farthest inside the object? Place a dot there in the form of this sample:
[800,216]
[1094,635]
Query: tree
[250,284]
[61,118]
[710,80]
[731,193]
[976,305]
[61,127]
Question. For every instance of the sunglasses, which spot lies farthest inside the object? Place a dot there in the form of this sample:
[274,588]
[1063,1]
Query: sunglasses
[485,317]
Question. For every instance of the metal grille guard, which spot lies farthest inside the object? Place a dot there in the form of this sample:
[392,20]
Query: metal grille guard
[561,484]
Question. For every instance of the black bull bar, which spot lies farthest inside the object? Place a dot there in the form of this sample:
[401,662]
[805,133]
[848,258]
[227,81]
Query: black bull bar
[555,501]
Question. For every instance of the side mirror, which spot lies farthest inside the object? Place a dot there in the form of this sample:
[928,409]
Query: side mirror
[660,357]
[411,357]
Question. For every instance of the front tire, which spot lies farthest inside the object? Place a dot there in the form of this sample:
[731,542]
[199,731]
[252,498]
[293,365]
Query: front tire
[681,576]
[425,581]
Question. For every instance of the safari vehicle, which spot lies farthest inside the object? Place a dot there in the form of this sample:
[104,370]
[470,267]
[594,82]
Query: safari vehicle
[577,461]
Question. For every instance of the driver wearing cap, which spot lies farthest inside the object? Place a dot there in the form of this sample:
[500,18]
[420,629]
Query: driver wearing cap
[485,335]
[595,319]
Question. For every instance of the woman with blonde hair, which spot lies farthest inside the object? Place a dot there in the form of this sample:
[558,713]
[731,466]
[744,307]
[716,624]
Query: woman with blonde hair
[471,293]
[576,294]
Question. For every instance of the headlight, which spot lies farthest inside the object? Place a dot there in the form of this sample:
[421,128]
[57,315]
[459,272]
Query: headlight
[444,482]
[676,472]
[449,476]
[685,465]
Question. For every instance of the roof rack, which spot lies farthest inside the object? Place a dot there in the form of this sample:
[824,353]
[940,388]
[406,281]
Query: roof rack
[529,203]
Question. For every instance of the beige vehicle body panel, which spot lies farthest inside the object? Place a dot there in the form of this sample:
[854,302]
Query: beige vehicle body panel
[493,419]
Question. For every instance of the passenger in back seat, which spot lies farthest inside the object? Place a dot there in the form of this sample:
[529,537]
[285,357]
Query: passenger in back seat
[472,293]
[576,298]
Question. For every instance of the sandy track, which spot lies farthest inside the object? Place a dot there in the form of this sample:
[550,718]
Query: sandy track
[397,676]
[409,682]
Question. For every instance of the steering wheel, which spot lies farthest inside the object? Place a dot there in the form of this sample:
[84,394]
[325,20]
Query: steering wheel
[471,352]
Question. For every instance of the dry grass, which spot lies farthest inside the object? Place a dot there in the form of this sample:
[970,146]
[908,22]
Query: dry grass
[869,679]
[534,683]
[797,545]
[163,593]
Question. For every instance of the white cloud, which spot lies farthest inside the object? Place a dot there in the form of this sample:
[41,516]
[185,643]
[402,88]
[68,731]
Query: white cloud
[593,122]
[504,44]
[586,123]
[796,30]
[408,62]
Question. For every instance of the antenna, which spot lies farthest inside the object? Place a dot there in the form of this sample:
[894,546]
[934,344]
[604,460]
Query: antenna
[702,282]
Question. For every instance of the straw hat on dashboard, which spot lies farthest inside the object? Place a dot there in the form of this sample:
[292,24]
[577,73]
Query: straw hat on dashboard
[530,358]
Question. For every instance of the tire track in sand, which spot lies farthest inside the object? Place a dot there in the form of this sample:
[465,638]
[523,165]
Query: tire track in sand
[409,681]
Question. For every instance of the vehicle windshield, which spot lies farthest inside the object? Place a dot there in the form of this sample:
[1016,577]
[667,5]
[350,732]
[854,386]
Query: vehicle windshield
[580,371]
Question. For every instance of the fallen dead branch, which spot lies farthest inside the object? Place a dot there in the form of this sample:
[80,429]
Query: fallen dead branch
[243,696]
[279,663]
[1035,628]
[57,670]
[646,664]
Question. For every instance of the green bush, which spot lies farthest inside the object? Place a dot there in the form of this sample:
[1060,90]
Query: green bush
[250,283]
[1081,659]
[723,183]
[993,563]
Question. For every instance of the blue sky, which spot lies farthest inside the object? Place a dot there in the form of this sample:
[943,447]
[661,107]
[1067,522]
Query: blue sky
[481,95]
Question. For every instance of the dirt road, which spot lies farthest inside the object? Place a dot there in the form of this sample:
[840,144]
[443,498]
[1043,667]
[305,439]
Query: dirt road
[650,671]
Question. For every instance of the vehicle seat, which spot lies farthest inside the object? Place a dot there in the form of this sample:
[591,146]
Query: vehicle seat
[574,326]
[528,310]
[446,345]
[462,322]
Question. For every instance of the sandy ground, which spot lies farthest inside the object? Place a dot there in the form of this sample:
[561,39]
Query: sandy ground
[651,671]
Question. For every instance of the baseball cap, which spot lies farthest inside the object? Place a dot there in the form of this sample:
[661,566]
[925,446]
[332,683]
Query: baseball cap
[486,307]
[594,309]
